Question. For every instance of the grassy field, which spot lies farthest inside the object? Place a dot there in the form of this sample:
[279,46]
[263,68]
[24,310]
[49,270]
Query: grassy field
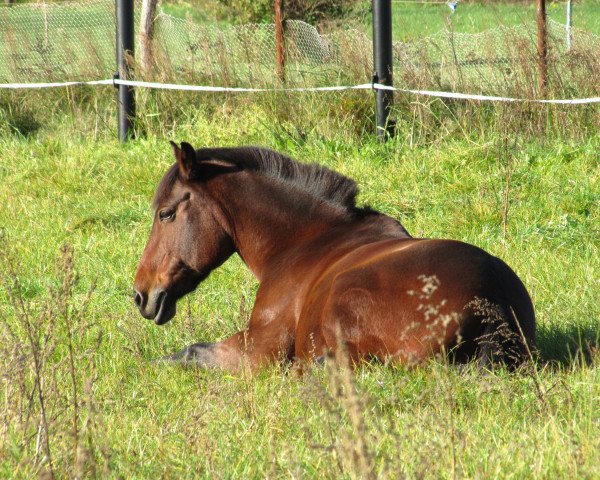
[475,17]
[79,395]
[110,413]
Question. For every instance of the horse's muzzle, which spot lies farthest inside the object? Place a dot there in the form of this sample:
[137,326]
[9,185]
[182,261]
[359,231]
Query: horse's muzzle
[157,305]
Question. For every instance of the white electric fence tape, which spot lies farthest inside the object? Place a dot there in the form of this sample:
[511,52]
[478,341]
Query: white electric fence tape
[17,86]
[364,86]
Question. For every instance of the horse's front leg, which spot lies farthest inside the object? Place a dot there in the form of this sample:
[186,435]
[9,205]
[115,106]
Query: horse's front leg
[251,348]
[197,354]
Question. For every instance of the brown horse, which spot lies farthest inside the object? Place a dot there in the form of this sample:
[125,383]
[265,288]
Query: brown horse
[329,271]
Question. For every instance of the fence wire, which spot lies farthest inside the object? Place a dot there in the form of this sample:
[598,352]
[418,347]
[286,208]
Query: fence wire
[51,41]
[72,41]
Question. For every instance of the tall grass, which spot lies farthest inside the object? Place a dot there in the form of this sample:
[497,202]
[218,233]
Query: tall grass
[50,421]
[197,54]
[420,120]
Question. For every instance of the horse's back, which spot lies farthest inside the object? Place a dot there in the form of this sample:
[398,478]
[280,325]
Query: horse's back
[408,300]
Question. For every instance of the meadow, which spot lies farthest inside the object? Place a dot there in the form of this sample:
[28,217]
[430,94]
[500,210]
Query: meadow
[80,396]
[475,17]
[110,412]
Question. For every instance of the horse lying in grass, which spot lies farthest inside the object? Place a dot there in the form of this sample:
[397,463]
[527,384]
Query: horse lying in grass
[329,271]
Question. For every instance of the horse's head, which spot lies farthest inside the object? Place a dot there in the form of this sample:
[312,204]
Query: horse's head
[189,237]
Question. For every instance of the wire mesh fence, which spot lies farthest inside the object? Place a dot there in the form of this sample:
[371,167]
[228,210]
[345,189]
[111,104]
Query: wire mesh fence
[502,60]
[70,41]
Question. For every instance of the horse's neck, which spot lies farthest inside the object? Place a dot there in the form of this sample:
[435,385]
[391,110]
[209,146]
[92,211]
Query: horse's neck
[266,218]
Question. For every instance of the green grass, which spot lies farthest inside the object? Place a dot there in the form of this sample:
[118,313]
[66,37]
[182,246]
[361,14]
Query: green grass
[64,180]
[475,17]
[140,420]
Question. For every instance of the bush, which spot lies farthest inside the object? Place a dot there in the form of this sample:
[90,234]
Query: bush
[311,11]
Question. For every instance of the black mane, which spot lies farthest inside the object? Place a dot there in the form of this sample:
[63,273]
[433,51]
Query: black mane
[314,179]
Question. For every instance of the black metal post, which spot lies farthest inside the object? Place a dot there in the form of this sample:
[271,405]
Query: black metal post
[382,64]
[125,42]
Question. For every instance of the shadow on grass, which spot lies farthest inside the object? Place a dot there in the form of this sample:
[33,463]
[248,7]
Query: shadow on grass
[22,125]
[569,344]
[17,119]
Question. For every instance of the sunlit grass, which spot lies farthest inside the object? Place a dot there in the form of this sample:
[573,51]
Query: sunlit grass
[476,17]
[432,422]
[519,181]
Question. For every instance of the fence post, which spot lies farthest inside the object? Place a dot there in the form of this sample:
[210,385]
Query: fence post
[569,12]
[279,39]
[382,63]
[125,43]
[542,46]
[147,35]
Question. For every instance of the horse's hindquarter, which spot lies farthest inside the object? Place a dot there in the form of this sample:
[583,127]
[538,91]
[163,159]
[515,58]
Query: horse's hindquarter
[404,299]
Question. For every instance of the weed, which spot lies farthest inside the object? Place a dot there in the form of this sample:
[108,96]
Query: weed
[33,359]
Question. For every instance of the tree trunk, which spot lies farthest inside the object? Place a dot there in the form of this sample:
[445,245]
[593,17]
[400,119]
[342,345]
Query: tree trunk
[147,35]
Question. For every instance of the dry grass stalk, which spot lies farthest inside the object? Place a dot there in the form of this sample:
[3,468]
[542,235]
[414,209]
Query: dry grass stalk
[343,389]
[499,343]
[39,345]
[35,371]
[505,161]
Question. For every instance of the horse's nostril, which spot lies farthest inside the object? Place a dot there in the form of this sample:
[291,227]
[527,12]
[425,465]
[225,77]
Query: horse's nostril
[137,298]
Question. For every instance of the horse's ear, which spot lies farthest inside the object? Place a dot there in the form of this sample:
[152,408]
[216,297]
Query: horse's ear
[186,159]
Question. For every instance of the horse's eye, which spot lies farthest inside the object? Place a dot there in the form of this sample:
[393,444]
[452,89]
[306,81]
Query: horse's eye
[167,215]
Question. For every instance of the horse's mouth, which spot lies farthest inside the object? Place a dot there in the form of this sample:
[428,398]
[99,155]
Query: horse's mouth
[167,309]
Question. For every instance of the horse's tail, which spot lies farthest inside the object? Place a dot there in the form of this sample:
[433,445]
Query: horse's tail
[508,334]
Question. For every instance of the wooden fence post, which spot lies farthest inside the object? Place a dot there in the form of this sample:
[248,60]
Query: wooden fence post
[279,39]
[568,28]
[542,46]
[147,35]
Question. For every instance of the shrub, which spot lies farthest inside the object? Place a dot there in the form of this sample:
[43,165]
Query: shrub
[311,11]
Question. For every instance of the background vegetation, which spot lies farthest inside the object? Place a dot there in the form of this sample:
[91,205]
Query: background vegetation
[80,397]
[471,16]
